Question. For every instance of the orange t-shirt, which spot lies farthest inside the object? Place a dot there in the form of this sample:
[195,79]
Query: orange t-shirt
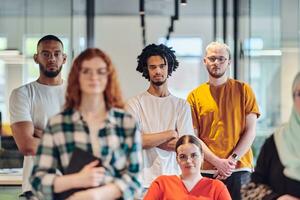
[171,187]
[219,115]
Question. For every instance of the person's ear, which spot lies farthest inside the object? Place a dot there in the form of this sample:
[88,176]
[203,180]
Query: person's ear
[229,62]
[35,58]
[205,61]
[64,58]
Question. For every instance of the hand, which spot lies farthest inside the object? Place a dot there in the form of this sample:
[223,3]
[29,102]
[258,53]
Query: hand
[172,134]
[38,133]
[89,194]
[225,168]
[287,197]
[90,175]
[169,145]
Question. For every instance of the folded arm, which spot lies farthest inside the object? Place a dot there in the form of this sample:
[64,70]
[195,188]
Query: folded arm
[26,136]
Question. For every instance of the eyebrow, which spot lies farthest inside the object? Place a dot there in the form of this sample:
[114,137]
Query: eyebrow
[51,51]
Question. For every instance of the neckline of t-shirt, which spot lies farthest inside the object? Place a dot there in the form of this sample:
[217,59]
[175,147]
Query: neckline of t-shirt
[219,86]
[49,86]
[156,97]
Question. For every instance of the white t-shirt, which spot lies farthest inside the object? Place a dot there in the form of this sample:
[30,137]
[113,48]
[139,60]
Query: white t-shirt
[36,103]
[157,114]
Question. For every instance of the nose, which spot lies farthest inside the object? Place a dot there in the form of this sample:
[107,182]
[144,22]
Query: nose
[189,159]
[157,70]
[51,57]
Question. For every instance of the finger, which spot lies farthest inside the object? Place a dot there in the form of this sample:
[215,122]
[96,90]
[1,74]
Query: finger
[92,164]
[99,170]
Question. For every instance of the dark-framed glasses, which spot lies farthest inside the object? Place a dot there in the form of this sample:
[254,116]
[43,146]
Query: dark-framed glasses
[184,157]
[220,59]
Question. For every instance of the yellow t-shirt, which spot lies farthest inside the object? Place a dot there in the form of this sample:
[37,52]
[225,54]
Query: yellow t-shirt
[219,114]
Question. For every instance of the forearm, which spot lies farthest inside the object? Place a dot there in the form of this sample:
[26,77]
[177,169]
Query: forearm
[150,140]
[244,143]
[31,146]
[247,138]
[169,145]
[209,155]
[23,133]
[110,191]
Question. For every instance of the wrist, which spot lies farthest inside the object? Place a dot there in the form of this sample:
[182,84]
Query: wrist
[235,157]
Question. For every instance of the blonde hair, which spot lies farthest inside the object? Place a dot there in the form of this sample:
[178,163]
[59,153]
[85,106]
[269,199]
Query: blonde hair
[220,45]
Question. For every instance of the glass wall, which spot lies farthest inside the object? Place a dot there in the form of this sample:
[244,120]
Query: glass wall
[270,59]
[22,24]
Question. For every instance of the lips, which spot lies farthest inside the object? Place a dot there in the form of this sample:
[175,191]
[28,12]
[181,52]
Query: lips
[52,67]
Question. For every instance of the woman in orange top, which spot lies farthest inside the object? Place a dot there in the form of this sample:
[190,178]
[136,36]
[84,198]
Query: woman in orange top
[190,184]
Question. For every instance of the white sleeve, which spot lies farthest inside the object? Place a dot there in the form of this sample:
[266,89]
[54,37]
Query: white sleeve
[184,122]
[19,106]
[132,107]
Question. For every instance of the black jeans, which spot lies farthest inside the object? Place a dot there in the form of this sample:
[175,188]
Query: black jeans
[234,182]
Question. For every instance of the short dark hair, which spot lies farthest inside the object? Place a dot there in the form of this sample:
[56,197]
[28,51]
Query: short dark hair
[189,139]
[156,50]
[50,37]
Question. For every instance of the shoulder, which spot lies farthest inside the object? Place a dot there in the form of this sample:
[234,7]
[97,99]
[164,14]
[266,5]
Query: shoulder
[119,112]
[166,178]
[134,101]
[269,143]
[122,117]
[215,183]
[199,88]
[66,116]
[239,84]
[180,101]
[24,89]
[138,97]
[197,92]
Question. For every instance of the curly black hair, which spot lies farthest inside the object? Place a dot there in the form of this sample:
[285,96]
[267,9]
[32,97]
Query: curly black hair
[157,50]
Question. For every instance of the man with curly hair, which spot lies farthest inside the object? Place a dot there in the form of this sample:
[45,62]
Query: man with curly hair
[162,117]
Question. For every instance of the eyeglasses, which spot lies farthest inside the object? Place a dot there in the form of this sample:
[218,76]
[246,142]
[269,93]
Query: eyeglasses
[48,55]
[213,59]
[89,72]
[184,157]
[297,94]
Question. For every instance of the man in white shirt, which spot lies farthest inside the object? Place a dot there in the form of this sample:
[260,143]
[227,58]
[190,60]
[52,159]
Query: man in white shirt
[32,104]
[162,117]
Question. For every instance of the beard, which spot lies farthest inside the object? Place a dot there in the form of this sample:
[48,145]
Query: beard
[217,74]
[158,83]
[49,74]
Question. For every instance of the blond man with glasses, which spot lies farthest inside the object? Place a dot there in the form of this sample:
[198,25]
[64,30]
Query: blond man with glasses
[224,114]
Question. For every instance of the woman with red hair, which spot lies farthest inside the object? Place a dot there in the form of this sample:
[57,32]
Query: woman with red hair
[94,121]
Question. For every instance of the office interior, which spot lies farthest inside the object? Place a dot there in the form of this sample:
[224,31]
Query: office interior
[264,36]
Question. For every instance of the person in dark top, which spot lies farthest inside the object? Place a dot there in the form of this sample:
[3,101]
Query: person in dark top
[277,172]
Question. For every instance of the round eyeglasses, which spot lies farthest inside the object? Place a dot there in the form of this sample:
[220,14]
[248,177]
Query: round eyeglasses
[184,157]
[220,59]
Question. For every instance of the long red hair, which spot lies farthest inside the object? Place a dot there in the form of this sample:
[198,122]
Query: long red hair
[112,92]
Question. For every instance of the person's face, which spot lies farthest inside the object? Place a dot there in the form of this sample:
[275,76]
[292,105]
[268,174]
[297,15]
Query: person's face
[50,58]
[217,61]
[158,70]
[93,76]
[297,98]
[189,158]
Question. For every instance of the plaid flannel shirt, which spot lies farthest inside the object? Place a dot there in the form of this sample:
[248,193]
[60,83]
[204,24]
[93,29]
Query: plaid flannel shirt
[120,150]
